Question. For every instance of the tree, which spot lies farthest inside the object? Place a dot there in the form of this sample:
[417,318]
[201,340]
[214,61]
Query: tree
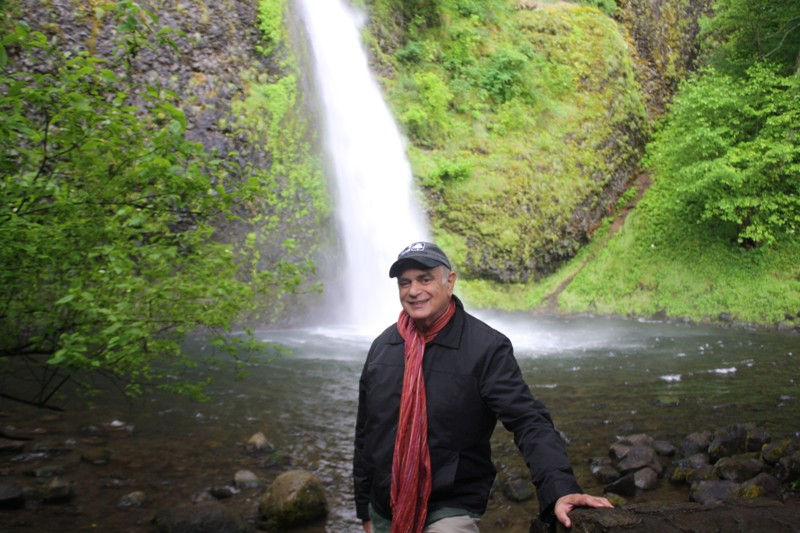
[108,248]
[742,32]
[732,148]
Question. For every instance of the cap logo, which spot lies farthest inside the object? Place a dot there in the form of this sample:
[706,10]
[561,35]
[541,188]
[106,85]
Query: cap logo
[416,247]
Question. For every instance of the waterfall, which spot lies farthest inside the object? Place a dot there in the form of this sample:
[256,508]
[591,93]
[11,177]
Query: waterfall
[376,208]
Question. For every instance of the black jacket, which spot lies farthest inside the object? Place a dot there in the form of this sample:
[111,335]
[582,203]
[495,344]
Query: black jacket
[471,380]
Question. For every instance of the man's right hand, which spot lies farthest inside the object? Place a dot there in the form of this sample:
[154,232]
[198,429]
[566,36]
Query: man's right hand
[367,526]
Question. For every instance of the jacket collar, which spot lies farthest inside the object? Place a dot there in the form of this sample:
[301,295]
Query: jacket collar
[450,336]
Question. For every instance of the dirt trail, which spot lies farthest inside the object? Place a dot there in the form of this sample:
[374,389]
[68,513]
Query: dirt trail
[642,183]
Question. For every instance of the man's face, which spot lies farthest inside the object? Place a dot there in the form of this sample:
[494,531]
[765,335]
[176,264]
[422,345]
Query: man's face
[424,294]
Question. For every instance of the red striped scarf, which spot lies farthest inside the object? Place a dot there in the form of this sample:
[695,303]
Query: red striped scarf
[411,464]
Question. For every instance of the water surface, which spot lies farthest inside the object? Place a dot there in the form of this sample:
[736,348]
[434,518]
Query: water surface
[601,379]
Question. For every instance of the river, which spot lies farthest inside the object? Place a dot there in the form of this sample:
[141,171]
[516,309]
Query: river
[601,378]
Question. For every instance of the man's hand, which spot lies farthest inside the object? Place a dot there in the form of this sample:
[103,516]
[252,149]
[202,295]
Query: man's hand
[567,503]
[367,526]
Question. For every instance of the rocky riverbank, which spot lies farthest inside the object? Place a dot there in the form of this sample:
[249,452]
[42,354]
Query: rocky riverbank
[92,477]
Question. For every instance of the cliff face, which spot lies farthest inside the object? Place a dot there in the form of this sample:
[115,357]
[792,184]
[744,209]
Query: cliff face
[239,101]
[546,110]
[216,43]
[526,120]
[662,36]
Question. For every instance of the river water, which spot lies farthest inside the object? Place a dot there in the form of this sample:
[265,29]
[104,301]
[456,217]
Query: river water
[601,378]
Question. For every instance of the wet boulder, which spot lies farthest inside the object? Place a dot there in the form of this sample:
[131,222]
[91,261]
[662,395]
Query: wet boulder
[294,498]
[672,517]
[646,478]
[761,486]
[727,441]
[709,492]
[756,438]
[638,457]
[788,468]
[738,468]
[604,472]
[696,442]
[773,452]
[624,486]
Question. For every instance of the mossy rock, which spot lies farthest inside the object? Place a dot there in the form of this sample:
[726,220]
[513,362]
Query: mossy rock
[294,498]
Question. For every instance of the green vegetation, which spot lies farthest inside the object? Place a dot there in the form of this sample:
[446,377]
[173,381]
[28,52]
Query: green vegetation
[110,249]
[524,120]
[717,232]
[526,127]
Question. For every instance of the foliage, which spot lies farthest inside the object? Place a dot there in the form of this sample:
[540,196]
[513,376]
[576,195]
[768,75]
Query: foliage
[108,248]
[270,23]
[427,118]
[725,164]
[742,32]
[731,146]
[726,169]
[519,120]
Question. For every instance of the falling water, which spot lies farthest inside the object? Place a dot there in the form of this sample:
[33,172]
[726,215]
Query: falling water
[376,207]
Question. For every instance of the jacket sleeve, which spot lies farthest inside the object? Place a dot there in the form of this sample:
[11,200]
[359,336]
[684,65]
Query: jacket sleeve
[510,398]
[361,480]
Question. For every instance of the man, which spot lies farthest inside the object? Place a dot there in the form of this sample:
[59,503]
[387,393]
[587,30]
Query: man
[432,389]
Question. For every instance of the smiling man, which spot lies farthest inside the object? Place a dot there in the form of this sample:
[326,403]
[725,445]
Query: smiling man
[431,392]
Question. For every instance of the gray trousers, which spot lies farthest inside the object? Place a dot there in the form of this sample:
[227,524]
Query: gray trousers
[452,524]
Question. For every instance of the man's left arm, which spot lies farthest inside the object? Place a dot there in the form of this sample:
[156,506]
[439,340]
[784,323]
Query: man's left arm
[534,433]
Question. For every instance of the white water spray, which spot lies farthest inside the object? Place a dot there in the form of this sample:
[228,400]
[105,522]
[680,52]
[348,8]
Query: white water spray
[375,203]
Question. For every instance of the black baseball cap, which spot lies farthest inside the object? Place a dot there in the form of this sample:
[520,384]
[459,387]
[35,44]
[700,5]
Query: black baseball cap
[426,254]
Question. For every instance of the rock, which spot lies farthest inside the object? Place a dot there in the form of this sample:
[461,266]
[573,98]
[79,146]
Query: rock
[258,441]
[605,474]
[96,456]
[756,438]
[624,486]
[773,452]
[695,443]
[294,498]
[693,461]
[645,479]
[638,457]
[728,441]
[58,490]
[245,479]
[705,472]
[664,448]
[708,492]
[788,468]
[738,468]
[619,450]
[671,517]
[761,486]
[518,489]
[223,492]
[11,496]
[133,499]
[680,474]
[204,517]
[639,439]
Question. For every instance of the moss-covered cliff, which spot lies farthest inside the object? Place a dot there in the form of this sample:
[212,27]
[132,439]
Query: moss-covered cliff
[526,122]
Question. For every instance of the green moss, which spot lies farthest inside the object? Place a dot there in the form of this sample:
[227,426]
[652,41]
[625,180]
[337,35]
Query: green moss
[543,110]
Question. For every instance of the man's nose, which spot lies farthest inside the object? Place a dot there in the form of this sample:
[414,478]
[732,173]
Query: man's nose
[415,287]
